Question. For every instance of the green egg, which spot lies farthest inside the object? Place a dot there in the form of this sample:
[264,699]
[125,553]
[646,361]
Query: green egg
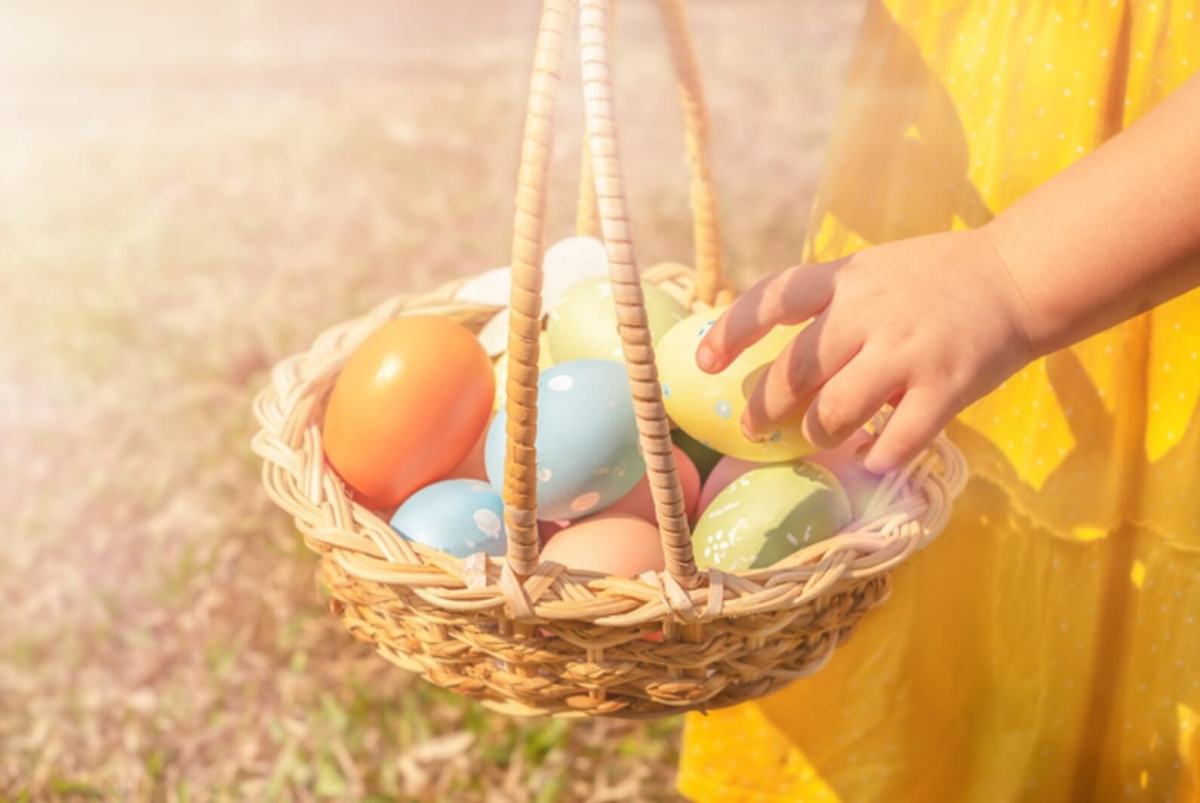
[703,456]
[769,513]
[583,325]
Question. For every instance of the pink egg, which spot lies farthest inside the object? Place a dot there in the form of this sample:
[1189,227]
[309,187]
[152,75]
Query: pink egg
[844,462]
[472,467]
[549,529]
[723,474]
[640,503]
[620,545]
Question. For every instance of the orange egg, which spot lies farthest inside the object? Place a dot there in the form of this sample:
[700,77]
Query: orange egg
[639,502]
[408,407]
[472,467]
[620,545]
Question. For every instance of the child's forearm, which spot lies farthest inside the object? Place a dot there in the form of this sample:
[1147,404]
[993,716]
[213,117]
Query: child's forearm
[1112,235]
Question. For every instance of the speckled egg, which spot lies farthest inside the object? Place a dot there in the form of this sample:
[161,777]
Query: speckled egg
[769,513]
[587,441]
[709,407]
[721,477]
[459,517]
[583,325]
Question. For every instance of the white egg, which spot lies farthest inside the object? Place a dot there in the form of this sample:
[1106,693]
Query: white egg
[491,287]
[569,262]
[494,334]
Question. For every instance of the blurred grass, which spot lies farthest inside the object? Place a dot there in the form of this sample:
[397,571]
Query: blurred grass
[190,192]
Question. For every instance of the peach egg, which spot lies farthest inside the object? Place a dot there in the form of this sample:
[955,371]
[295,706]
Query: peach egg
[620,545]
[639,502]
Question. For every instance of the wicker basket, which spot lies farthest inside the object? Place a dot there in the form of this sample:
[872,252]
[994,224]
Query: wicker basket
[529,637]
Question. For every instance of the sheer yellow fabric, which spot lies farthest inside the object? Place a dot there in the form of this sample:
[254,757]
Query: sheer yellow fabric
[1047,646]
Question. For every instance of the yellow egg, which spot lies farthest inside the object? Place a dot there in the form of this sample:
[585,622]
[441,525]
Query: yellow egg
[544,361]
[709,407]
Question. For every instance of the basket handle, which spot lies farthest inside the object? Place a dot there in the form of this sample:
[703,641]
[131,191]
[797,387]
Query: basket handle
[520,469]
[706,229]
[654,428]
[525,300]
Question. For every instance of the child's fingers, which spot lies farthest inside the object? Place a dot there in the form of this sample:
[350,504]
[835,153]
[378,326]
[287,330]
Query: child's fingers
[918,419]
[793,296]
[850,398]
[809,360]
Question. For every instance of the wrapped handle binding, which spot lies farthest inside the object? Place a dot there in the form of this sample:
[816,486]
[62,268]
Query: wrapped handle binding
[706,228]
[520,475]
[525,301]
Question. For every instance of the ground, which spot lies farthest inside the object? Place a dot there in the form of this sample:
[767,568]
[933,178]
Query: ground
[188,193]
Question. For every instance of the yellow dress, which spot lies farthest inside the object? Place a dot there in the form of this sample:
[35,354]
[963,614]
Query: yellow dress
[1047,646]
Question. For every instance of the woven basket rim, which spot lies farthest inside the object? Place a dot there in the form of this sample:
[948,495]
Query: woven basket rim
[365,546]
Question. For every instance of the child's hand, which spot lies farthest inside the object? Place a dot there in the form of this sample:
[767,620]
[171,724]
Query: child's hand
[929,324]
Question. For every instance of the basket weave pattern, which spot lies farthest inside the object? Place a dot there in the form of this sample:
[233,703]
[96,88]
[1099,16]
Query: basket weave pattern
[533,637]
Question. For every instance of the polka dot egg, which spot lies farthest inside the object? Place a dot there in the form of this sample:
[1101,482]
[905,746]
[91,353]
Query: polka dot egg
[459,517]
[587,441]
[709,407]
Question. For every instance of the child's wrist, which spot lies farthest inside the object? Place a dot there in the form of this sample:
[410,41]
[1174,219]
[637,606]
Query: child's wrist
[1004,281]
[1039,327]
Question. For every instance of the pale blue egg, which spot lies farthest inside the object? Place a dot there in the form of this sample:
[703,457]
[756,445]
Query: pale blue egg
[459,517]
[587,441]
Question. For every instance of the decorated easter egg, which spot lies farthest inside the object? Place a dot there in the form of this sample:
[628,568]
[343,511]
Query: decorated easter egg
[583,324]
[501,368]
[407,407]
[459,517]
[844,461]
[769,513]
[619,545]
[709,407]
[722,476]
[639,502]
[587,440]
[704,458]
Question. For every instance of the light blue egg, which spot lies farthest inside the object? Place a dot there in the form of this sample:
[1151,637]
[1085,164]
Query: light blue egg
[459,517]
[587,441]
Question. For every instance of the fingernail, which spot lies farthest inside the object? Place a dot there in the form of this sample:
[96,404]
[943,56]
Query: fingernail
[876,464]
[750,433]
[706,358]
